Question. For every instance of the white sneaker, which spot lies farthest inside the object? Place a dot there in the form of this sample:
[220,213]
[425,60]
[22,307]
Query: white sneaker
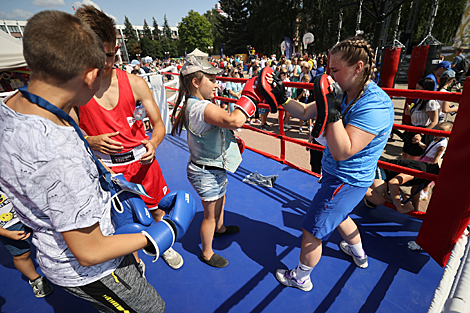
[41,287]
[172,258]
[360,262]
[287,126]
[412,245]
[141,268]
[286,278]
[423,195]
[300,130]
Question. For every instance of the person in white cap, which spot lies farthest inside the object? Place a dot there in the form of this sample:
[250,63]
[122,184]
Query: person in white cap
[212,146]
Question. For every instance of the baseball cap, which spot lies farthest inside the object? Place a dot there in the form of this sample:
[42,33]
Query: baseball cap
[134,63]
[444,64]
[320,71]
[193,65]
[448,73]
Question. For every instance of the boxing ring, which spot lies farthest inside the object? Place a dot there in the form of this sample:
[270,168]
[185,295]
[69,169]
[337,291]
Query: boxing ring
[397,279]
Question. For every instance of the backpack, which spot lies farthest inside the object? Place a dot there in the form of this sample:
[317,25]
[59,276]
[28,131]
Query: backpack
[464,65]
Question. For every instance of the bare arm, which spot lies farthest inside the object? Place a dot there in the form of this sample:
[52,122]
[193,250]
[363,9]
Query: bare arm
[394,187]
[91,247]
[343,143]
[216,116]
[143,94]
[434,117]
[447,109]
[301,110]
[439,152]
[14,235]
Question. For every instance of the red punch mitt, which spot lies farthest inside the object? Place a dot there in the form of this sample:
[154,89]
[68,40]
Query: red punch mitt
[328,98]
[241,144]
[250,97]
[273,94]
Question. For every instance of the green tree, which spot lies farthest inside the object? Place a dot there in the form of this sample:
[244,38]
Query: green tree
[277,19]
[147,32]
[194,31]
[213,17]
[147,47]
[168,44]
[157,45]
[156,31]
[234,28]
[133,48]
[129,30]
[166,28]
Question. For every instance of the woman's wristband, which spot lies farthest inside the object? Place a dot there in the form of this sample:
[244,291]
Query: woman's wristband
[288,99]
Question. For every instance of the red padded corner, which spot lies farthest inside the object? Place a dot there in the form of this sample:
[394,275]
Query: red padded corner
[448,213]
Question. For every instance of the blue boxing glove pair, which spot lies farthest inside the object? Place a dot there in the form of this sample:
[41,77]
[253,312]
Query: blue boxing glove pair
[130,215]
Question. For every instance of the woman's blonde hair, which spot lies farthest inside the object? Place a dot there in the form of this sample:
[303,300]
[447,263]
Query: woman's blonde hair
[306,64]
[357,49]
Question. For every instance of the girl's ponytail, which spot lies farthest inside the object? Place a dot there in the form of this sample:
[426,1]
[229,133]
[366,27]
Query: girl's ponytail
[185,91]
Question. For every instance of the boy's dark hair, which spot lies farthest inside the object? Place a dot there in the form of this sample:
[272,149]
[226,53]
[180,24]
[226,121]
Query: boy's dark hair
[58,46]
[103,25]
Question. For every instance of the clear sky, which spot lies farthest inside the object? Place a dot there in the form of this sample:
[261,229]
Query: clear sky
[135,10]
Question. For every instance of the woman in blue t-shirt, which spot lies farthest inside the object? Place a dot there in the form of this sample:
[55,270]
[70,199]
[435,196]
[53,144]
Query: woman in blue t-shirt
[354,145]
[234,89]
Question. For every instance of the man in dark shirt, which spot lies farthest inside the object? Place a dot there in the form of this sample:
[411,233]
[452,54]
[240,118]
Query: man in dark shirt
[457,64]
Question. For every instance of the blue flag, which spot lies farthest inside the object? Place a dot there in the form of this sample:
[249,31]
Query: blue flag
[185,53]
[221,50]
[289,47]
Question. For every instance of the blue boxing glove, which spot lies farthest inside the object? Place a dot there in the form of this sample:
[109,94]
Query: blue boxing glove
[180,208]
[128,208]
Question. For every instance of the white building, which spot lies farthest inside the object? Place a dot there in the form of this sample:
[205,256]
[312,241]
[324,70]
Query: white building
[16,28]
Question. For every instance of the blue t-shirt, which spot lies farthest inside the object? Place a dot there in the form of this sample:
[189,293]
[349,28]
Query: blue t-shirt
[235,87]
[372,113]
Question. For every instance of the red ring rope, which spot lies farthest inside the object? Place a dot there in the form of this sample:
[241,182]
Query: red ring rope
[421,94]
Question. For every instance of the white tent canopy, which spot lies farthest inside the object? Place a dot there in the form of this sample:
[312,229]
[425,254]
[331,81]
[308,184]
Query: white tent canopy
[11,53]
[198,53]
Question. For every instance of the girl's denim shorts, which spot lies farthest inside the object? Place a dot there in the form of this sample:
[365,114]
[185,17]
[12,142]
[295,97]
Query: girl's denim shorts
[210,185]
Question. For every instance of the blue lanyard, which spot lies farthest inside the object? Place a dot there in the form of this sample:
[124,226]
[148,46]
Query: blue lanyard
[43,103]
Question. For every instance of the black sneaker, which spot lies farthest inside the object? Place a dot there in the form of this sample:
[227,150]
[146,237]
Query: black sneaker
[263,127]
[228,231]
[215,260]
[41,287]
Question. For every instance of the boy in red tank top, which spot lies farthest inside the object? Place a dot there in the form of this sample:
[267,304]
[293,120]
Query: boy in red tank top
[117,138]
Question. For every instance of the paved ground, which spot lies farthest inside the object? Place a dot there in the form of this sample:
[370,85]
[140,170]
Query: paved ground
[299,155]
